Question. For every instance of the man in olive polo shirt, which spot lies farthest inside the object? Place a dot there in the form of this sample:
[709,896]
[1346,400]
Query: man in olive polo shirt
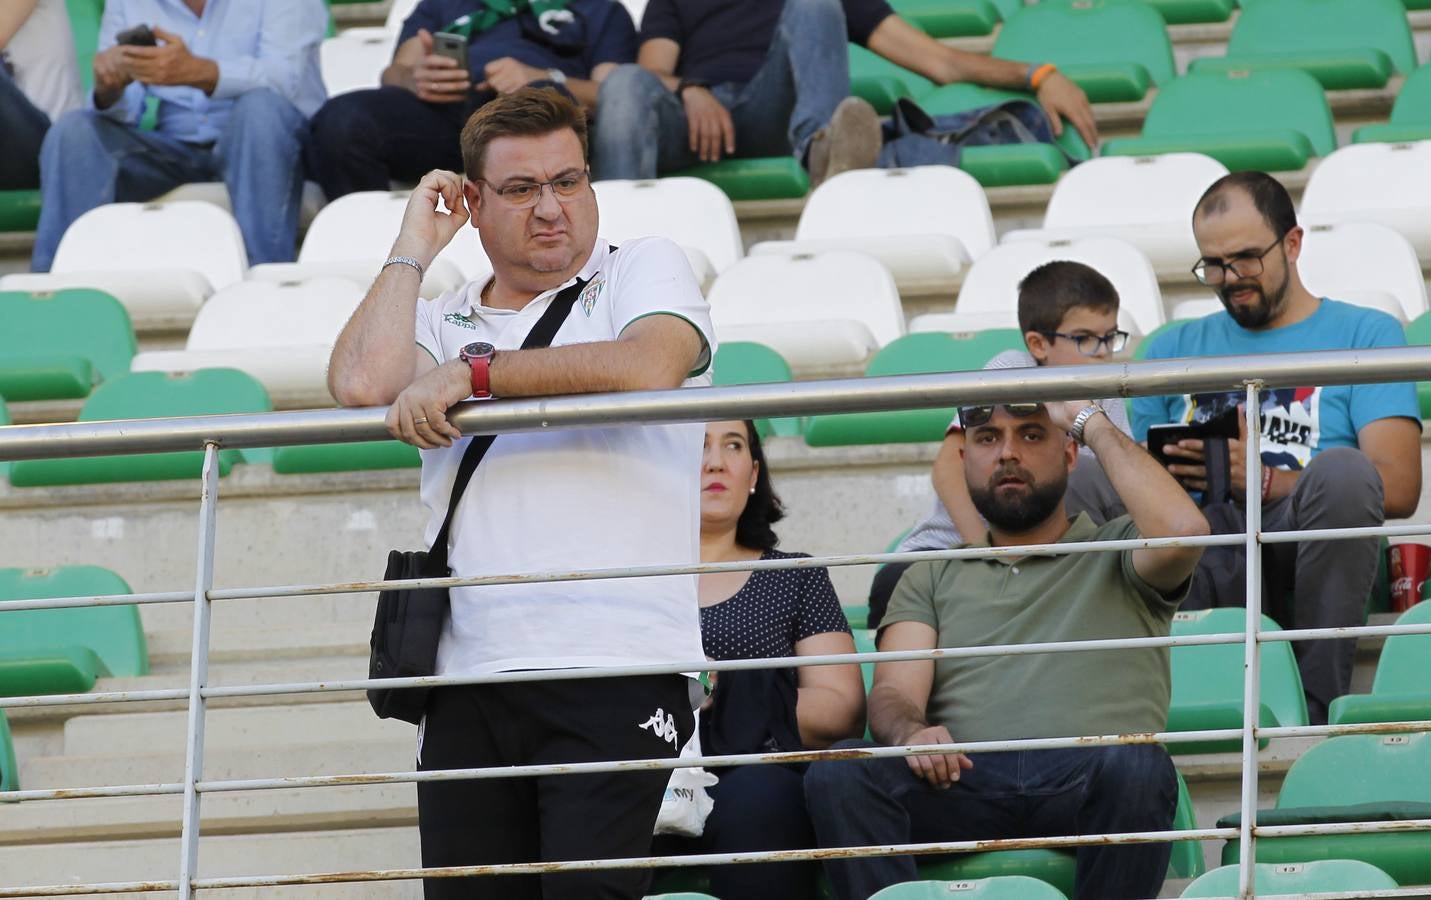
[1017,458]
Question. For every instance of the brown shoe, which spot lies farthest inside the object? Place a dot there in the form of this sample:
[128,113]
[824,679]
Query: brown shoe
[852,140]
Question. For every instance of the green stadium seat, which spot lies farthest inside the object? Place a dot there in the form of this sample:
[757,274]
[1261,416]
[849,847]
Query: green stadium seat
[1419,332]
[882,82]
[84,27]
[1353,778]
[1273,120]
[1006,887]
[955,18]
[60,651]
[9,772]
[1007,164]
[768,178]
[746,362]
[1322,876]
[1207,681]
[858,617]
[308,459]
[682,881]
[1342,43]
[1410,114]
[4,420]
[1113,49]
[140,395]
[923,352]
[1401,689]
[19,210]
[57,345]
[1184,12]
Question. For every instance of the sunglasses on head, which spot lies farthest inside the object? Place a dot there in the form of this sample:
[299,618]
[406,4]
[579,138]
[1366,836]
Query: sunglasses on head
[974,416]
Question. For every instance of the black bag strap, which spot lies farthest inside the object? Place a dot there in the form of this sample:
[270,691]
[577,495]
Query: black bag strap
[541,335]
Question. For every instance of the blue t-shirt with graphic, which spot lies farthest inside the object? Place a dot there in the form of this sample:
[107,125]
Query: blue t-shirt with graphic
[1297,423]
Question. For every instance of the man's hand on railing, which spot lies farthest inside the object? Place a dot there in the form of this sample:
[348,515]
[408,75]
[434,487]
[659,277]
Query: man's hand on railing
[419,415]
[940,771]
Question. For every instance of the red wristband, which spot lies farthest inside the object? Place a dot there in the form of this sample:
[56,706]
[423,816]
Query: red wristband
[1267,483]
[482,377]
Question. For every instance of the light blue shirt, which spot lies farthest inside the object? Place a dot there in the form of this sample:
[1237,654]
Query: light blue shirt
[256,43]
[1297,423]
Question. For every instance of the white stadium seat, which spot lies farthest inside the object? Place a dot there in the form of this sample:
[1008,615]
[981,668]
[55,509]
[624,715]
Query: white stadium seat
[441,277]
[217,193]
[160,260]
[1147,201]
[1389,184]
[1357,261]
[353,62]
[281,334]
[1197,309]
[690,211]
[926,224]
[823,309]
[992,284]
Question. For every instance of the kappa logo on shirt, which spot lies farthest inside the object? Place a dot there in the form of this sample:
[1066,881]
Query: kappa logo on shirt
[589,294]
[662,726]
[459,320]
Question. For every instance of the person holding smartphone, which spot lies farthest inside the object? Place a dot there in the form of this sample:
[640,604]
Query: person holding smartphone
[449,61]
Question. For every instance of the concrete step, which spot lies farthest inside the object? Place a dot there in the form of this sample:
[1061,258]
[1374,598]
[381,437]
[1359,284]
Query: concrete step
[257,854]
[229,641]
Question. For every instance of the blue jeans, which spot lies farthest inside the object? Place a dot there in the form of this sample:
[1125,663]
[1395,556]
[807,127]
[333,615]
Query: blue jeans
[89,160]
[1011,794]
[24,126]
[641,129]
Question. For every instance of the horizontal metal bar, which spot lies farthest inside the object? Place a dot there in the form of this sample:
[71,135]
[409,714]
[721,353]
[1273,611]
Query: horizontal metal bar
[1350,631]
[1312,535]
[1123,379]
[1387,827]
[78,890]
[1420,891]
[91,793]
[1294,731]
[101,600]
[40,700]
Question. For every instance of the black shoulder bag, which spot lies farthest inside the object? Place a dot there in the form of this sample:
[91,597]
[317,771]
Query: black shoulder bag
[409,621]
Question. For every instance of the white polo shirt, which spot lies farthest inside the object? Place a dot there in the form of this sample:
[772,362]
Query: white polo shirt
[589,498]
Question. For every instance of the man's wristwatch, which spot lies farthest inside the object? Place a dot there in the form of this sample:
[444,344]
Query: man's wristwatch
[1081,420]
[479,355]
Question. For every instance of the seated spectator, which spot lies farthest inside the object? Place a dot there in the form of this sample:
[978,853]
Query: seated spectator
[1068,313]
[1017,458]
[1335,457]
[38,82]
[759,78]
[746,615]
[363,140]
[235,83]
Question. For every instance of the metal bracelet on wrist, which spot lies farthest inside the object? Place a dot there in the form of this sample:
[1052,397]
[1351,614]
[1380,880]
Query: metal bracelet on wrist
[404,261]
[1081,420]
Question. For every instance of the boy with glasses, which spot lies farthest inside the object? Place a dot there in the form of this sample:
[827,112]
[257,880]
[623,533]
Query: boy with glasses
[1068,313]
[1333,457]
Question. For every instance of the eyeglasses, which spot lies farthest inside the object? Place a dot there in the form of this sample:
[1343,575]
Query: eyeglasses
[1088,344]
[526,194]
[1215,272]
[974,416]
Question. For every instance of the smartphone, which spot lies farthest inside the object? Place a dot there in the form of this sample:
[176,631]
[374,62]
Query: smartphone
[452,46]
[138,36]
[1224,426]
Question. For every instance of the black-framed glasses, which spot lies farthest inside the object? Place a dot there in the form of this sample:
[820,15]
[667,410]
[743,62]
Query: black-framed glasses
[1215,272]
[974,416]
[525,194]
[1088,343]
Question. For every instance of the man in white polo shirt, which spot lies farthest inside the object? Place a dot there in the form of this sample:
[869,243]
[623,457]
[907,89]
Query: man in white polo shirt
[559,500]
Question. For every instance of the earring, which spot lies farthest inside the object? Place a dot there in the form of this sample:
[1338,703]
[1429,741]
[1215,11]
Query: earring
[752,490]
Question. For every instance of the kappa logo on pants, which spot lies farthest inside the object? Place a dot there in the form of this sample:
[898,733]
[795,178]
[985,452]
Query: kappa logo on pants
[662,726]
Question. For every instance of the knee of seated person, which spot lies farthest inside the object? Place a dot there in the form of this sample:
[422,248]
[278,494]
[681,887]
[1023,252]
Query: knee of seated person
[1142,774]
[77,123]
[265,113]
[803,8]
[829,778]
[1342,478]
[342,120]
[625,88]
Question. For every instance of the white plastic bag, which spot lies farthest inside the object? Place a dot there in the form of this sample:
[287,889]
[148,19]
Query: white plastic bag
[686,804]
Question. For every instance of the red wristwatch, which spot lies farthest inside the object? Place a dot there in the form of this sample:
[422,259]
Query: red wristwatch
[479,355]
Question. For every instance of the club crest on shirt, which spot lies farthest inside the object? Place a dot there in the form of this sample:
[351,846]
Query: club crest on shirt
[459,320]
[589,294]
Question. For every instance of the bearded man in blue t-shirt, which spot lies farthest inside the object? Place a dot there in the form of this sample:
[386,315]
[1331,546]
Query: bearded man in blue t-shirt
[1335,456]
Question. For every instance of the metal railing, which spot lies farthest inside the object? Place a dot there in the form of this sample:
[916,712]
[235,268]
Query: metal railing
[699,405]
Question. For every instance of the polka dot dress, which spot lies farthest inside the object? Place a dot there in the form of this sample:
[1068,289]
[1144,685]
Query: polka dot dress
[771,612]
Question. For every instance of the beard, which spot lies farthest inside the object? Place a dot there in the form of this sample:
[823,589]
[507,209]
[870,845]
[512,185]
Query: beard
[1016,512]
[1255,315]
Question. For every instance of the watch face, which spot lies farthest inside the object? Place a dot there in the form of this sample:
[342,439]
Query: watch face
[477,350]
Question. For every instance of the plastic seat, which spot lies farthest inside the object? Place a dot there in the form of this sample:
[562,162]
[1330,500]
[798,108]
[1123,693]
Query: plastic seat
[1342,43]
[955,18]
[912,354]
[9,772]
[1196,309]
[816,309]
[1144,200]
[1321,876]
[1207,681]
[1006,887]
[744,362]
[690,211]
[361,227]
[992,283]
[355,62]
[1419,333]
[1401,689]
[1114,49]
[57,346]
[1182,12]
[19,210]
[60,651]
[1273,119]
[924,223]
[1353,778]
[882,82]
[1410,114]
[4,420]
[160,260]
[1389,184]
[1008,164]
[764,178]
[141,395]
[1356,261]
[281,334]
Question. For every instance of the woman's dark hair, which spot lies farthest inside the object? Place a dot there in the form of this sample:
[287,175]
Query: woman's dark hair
[763,508]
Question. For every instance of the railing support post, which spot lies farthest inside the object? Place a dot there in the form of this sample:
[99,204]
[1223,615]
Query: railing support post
[1251,685]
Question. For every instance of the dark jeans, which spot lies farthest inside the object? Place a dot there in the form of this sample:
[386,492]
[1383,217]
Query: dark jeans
[641,129]
[756,808]
[24,126]
[1013,794]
